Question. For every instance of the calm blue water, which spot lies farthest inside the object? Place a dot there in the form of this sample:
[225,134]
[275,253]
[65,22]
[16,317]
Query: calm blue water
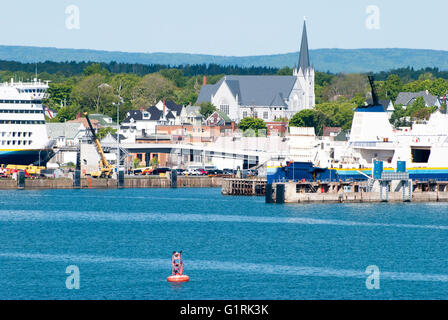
[234,247]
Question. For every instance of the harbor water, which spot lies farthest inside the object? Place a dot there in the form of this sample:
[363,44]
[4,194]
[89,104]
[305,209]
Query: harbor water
[233,247]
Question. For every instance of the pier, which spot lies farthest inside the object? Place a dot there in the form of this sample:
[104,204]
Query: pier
[358,192]
[244,187]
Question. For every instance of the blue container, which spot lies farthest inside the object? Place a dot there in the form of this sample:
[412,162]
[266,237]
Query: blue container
[401,166]
[377,169]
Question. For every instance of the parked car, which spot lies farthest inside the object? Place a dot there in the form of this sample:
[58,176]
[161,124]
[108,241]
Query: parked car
[160,171]
[193,172]
[215,172]
[229,171]
[180,172]
[137,172]
[147,171]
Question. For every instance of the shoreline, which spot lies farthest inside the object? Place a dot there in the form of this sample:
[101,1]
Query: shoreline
[95,183]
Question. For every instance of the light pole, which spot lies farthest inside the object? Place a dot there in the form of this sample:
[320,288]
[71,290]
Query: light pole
[118,134]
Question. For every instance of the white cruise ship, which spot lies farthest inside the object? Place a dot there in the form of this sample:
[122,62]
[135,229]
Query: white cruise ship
[23,134]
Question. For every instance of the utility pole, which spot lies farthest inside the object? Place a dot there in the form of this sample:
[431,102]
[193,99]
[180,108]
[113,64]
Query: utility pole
[118,130]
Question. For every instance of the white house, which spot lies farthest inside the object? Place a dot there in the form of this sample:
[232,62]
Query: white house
[176,110]
[265,97]
[145,121]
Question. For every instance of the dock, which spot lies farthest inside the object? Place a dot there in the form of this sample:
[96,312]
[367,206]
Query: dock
[97,183]
[358,192]
[244,187]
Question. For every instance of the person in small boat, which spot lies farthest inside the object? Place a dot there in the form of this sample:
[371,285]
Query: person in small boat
[177,263]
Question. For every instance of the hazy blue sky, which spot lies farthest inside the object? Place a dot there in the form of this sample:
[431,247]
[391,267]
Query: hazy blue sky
[226,27]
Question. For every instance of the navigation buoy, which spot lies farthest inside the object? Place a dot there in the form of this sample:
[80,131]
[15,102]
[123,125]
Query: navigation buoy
[178,269]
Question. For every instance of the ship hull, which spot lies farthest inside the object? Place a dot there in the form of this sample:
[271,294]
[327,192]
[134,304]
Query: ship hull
[25,157]
[307,172]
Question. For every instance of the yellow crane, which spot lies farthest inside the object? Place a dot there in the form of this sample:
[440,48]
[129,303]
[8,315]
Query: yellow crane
[105,169]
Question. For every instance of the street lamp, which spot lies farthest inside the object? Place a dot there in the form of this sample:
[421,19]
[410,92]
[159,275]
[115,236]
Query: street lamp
[118,133]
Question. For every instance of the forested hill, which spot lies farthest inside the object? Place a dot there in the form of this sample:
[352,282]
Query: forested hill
[332,60]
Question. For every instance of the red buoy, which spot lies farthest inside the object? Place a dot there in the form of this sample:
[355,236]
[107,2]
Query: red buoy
[178,269]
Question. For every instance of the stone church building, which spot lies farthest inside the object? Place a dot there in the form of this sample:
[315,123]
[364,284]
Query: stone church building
[265,97]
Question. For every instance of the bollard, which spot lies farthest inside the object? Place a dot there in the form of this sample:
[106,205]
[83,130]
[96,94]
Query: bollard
[280,194]
[173,179]
[120,179]
[77,179]
[21,179]
[268,194]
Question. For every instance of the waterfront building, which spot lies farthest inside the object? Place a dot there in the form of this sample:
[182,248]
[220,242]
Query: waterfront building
[66,134]
[277,128]
[265,97]
[218,118]
[145,121]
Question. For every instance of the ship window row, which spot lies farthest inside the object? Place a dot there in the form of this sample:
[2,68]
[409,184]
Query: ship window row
[22,101]
[21,111]
[22,122]
[16,142]
[16,134]
[32,90]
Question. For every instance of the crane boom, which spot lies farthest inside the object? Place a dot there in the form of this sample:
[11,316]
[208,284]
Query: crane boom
[105,168]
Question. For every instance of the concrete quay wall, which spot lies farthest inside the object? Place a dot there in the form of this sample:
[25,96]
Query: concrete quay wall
[92,183]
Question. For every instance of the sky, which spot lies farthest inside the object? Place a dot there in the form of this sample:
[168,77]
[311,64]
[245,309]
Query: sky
[224,27]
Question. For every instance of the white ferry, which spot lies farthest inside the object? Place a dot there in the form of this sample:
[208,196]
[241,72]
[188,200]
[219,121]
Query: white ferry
[422,149]
[23,134]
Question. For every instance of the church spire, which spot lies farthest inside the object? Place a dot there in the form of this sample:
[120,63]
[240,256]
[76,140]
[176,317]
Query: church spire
[304,60]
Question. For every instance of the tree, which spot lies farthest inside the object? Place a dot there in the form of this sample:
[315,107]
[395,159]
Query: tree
[175,75]
[392,87]
[338,114]
[66,113]
[95,68]
[207,108]
[419,111]
[154,162]
[186,96]
[346,85]
[359,100]
[58,93]
[439,87]
[103,132]
[304,118]
[254,124]
[93,93]
[285,71]
[398,118]
[151,89]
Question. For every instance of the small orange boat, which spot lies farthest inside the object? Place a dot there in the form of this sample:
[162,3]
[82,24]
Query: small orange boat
[178,269]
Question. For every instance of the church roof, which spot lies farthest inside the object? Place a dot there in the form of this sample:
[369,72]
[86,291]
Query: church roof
[304,59]
[278,101]
[253,90]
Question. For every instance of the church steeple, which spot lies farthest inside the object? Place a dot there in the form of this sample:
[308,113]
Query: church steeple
[304,59]
[303,93]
